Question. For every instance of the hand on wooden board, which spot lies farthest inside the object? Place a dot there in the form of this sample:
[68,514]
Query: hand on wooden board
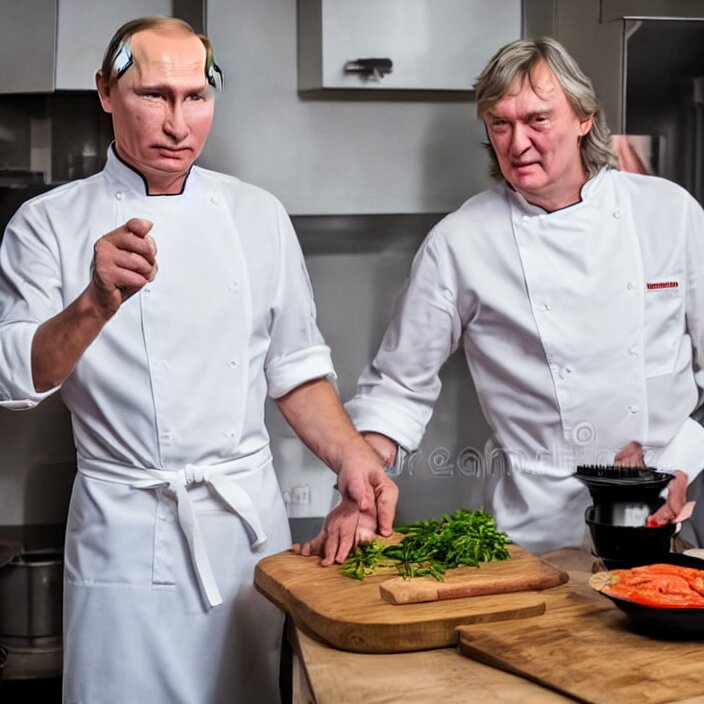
[366,510]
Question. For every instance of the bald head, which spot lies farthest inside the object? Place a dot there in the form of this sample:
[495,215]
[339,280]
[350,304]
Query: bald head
[119,55]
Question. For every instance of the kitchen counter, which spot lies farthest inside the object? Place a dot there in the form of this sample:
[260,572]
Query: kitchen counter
[326,675]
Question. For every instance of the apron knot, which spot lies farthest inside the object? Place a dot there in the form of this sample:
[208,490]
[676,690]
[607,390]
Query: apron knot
[194,474]
[221,479]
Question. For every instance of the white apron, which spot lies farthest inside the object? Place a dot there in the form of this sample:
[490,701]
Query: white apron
[138,626]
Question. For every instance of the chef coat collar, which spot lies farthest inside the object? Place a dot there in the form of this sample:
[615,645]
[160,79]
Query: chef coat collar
[588,191]
[132,180]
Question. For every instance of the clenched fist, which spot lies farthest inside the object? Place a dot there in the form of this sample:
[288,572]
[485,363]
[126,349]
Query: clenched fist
[124,261]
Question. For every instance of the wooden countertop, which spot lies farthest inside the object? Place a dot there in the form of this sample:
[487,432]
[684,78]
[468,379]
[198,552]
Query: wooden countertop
[325,675]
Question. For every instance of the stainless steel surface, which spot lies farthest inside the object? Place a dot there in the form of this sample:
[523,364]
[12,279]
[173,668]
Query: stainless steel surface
[433,44]
[9,551]
[656,9]
[346,152]
[31,589]
[32,659]
[645,60]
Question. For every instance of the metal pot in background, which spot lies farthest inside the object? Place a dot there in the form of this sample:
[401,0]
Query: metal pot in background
[31,590]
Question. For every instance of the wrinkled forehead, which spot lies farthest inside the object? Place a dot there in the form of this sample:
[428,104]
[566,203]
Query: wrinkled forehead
[168,52]
[539,81]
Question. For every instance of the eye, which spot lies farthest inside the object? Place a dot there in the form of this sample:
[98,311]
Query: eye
[498,124]
[540,119]
[196,97]
[150,94]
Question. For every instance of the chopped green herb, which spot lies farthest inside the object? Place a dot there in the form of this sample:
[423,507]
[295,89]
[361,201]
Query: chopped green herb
[430,547]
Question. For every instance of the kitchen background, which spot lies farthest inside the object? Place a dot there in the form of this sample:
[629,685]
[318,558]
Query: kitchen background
[364,165]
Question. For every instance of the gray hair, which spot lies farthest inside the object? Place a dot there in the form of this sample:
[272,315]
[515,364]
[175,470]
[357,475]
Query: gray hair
[515,62]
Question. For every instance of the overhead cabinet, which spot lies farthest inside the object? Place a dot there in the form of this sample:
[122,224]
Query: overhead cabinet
[48,45]
[401,44]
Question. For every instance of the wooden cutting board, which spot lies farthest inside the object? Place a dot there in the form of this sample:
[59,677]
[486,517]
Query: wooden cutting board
[351,614]
[583,646]
[523,572]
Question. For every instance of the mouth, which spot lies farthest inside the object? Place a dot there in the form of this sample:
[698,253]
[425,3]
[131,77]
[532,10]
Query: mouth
[171,150]
[524,164]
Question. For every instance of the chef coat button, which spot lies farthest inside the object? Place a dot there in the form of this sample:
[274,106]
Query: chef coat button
[119,195]
[213,199]
[584,432]
[233,363]
[568,370]
[634,408]
[230,433]
[630,286]
[634,351]
[234,287]
[544,307]
[617,213]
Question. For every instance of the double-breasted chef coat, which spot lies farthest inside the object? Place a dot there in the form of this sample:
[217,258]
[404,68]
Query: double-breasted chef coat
[176,498]
[583,330]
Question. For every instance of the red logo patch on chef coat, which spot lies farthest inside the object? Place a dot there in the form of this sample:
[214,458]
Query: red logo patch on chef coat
[658,285]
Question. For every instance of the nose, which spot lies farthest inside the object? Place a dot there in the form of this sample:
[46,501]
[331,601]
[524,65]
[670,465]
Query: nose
[175,125]
[520,140]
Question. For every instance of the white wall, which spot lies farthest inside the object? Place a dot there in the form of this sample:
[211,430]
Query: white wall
[354,297]
[348,152]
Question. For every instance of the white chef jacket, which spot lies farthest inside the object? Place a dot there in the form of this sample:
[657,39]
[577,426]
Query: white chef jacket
[174,387]
[582,329]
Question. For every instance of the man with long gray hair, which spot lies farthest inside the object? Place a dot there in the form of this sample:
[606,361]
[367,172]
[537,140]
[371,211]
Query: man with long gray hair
[575,291]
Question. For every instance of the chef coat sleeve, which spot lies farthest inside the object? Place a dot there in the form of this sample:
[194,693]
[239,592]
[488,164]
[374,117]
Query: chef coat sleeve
[297,352]
[397,391]
[686,449]
[30,293]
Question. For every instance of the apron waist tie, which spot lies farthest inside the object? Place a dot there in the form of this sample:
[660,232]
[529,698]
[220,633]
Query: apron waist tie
[220,478]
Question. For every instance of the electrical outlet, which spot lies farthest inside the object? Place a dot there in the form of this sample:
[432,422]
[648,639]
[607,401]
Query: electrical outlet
[300,495]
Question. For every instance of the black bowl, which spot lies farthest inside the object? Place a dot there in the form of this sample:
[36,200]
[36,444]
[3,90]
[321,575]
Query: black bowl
[629,546]
[660,622]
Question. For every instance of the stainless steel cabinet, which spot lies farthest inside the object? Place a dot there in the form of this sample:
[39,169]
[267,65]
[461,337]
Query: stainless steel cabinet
[48,45]
[430,44]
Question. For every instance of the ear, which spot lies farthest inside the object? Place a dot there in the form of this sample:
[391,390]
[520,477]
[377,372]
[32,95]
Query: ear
[585,126]
[103,91]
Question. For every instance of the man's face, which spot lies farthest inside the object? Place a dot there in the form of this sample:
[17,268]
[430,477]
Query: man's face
[535,134]
[162,108]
